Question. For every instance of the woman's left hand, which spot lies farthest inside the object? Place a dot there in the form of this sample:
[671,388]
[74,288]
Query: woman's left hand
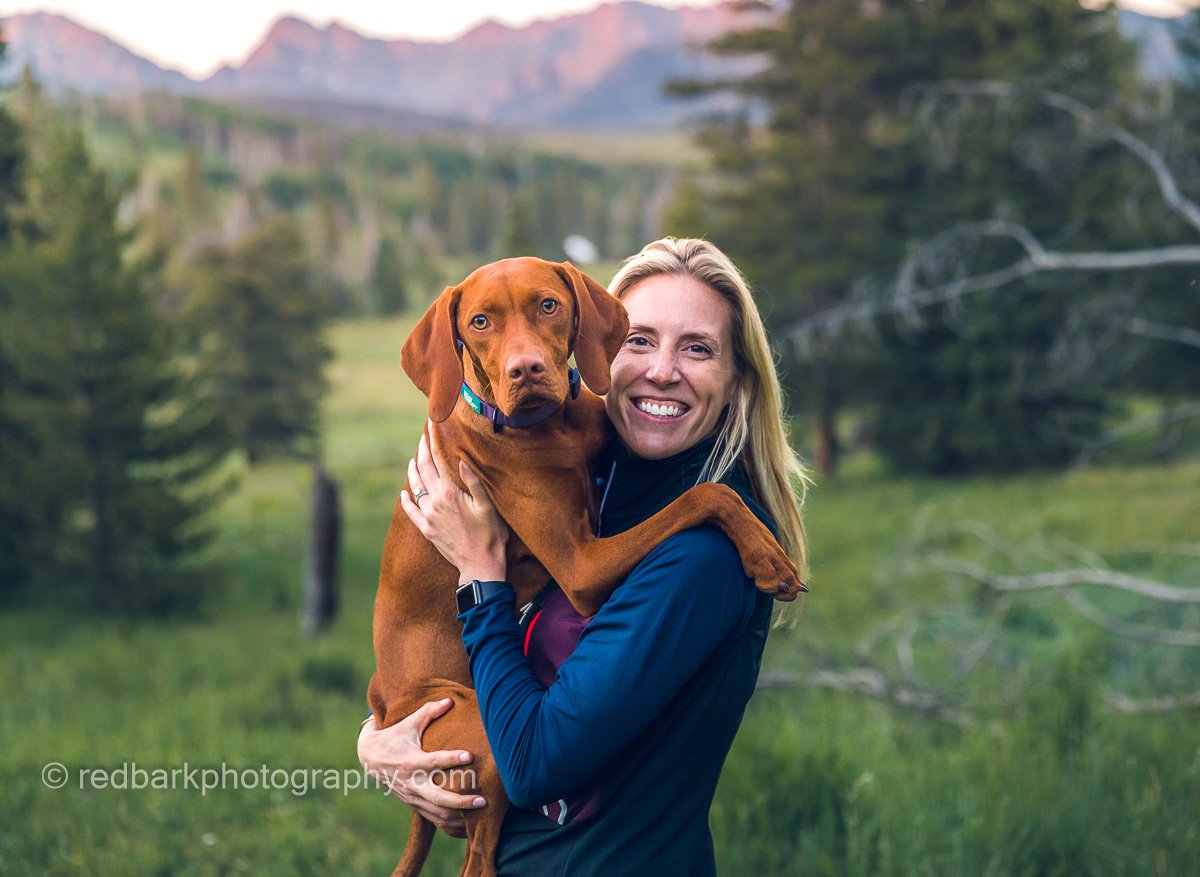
[464,527]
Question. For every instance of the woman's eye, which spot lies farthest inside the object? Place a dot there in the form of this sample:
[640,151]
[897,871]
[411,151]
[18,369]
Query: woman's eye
[479,321]
[636,341]
[699,349]
[549,306]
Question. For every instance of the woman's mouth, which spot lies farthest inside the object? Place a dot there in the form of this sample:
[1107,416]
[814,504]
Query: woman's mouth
[665,410]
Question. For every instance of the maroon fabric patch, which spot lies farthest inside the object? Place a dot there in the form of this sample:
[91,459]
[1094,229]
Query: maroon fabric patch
[551,637]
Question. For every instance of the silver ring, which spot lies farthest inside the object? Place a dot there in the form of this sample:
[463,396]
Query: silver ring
[418,493]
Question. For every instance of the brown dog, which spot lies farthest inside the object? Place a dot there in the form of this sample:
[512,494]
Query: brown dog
[506,333]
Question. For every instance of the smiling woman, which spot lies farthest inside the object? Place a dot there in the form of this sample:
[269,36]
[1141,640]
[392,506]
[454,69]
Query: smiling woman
[676,374]
[609,731]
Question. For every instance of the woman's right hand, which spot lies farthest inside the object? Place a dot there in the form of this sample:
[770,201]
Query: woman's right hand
[394,756]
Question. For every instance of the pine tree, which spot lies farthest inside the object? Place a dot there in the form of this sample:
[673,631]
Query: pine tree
[259,315]
[111,450]
[822,201]
[389,280]
[19,501]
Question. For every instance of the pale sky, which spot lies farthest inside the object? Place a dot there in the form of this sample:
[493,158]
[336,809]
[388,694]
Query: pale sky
[199,37]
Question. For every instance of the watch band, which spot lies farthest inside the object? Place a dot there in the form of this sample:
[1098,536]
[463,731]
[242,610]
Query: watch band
[474,592]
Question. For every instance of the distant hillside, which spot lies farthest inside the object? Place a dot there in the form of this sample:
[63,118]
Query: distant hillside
[598,70]
[68,56]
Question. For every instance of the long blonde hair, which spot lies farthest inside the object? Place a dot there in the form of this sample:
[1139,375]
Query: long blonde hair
[753,431]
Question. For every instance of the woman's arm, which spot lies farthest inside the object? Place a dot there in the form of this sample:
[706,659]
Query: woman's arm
[671,614]
[394,757]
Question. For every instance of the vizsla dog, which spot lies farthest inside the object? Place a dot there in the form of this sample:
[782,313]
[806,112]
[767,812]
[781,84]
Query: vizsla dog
[492,356]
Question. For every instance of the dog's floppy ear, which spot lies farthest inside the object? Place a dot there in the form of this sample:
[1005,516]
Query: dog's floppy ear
[600,328]
[431,358]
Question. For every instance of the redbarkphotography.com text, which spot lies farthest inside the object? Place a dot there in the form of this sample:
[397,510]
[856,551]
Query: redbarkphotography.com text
[299,781]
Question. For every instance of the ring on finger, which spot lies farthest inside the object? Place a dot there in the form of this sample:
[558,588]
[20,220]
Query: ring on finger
[418,494]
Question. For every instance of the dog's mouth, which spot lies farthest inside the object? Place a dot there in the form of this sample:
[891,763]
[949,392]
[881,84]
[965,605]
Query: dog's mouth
[530,396]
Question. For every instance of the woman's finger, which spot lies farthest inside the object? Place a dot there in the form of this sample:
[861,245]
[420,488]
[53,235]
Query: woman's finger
[475,486]
[434,451]
[430,475]
[413,510]
[418,721]
[414,477]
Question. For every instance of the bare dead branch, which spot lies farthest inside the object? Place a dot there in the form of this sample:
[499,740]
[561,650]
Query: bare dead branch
[1144,424]
[1091,122]
[1141,632]
[1123,703]
[1163,332]
[1069,578]
[983,644]
[869,682]
[908,295]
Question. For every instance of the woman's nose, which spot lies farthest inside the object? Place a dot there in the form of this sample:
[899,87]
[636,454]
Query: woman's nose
[662,367]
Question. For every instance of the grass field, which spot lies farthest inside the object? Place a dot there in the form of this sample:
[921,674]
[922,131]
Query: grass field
[1045,778]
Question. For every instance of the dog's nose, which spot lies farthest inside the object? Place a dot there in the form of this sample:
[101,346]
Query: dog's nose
[527,366]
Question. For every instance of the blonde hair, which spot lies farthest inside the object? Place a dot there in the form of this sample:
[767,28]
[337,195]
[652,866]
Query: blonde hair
[753,430]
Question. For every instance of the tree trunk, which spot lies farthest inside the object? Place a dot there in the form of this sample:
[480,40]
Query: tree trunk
[320,581]
[825,441]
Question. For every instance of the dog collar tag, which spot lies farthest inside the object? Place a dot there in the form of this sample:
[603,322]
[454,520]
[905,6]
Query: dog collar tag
[471,399]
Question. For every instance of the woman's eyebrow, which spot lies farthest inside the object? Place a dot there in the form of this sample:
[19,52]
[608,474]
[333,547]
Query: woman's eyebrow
[711,340]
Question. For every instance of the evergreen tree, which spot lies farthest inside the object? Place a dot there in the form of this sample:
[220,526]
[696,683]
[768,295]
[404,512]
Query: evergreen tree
[389,280]
[18,503]
[259,315]
[520,232]
[1170,297]
[824,201]
[106,445]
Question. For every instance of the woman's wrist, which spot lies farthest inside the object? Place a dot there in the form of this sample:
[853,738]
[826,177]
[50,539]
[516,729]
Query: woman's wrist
[487,566]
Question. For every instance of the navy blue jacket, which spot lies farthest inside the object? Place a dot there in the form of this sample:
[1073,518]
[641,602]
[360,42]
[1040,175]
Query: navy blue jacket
[640,717]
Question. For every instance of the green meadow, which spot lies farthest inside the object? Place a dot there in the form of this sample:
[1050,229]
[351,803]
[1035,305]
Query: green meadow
[1014,764]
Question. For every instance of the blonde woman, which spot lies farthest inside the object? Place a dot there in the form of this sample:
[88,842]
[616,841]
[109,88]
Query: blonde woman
[610,731]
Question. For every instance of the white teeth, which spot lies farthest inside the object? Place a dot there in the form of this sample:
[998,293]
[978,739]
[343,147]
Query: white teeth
[659,410]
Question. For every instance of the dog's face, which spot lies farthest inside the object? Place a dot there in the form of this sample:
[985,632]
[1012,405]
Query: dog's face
[518,321]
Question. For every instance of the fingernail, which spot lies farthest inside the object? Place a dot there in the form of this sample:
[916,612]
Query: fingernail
[443,700]
[464,757]
[478,802]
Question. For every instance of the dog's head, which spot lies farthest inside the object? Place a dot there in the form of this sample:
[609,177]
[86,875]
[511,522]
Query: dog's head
[518,322]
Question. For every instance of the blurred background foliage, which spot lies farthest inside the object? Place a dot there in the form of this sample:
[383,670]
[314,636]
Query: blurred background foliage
[995,672]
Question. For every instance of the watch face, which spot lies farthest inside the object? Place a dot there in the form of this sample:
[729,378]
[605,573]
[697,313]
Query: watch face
[467,596]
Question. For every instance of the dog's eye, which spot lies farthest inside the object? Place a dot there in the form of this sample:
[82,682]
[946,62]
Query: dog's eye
[479,321]
[549,306]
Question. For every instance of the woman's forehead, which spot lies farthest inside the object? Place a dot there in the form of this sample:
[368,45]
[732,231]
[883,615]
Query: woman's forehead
[678,304]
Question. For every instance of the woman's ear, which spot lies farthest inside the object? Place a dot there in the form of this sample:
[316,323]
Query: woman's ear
[601,325]
[430,355]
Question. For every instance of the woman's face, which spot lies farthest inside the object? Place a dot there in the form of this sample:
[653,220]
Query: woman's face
[675,373]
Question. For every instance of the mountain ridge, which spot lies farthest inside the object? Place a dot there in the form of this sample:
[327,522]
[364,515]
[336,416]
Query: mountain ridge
[494,74]
[602,69]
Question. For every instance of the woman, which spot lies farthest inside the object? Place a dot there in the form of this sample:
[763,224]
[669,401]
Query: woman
[610,732]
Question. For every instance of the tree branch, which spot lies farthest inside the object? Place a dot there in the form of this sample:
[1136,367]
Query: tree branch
[869,682]
[1123,703]
[1140,632]
[1070,578]
[1090,120]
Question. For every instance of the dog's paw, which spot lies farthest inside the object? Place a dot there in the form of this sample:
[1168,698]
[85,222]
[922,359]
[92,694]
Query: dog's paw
[775,574]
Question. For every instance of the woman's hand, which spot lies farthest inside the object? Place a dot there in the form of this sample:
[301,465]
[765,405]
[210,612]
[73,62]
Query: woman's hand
[394,757]
[464,527]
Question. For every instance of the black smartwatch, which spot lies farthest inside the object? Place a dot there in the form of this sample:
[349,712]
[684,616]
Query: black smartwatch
[475,592]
